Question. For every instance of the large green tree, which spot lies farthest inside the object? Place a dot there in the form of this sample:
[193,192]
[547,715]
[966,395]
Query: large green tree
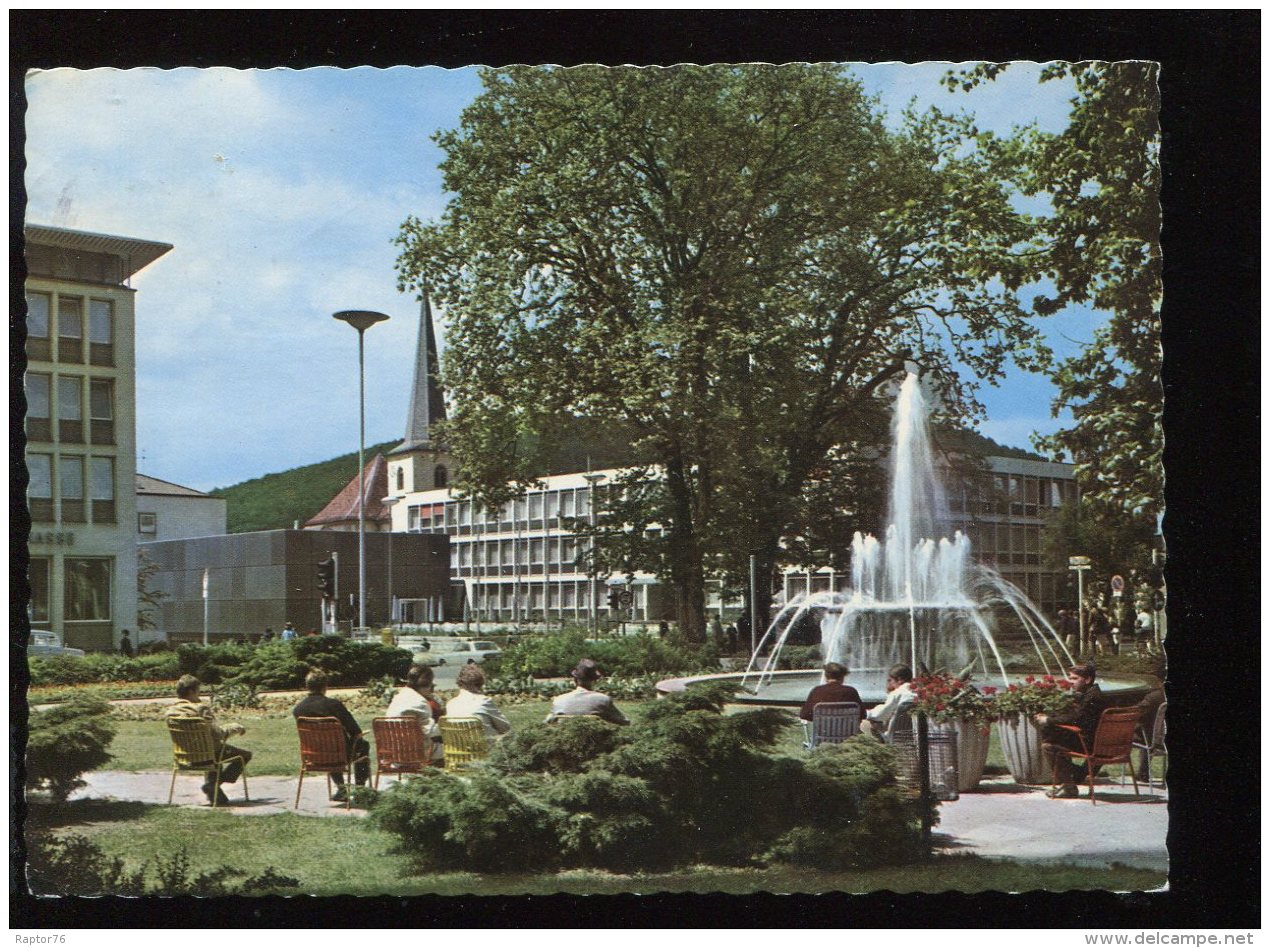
[731,263]
[1100,245]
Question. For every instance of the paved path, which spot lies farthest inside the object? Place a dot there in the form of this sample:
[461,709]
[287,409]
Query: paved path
[1003,820]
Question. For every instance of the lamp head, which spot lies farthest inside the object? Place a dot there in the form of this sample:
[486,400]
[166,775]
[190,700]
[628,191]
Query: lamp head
[360,319]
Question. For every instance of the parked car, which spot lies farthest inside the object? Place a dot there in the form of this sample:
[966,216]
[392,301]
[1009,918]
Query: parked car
[458,652]
[44,644]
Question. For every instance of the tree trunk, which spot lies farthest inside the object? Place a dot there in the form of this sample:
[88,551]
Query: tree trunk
[687,575]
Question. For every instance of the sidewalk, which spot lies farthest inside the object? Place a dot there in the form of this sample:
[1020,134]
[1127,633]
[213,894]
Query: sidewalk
[1004,820]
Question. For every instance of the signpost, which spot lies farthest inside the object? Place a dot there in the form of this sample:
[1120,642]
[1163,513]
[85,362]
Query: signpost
[1117,586]
[1080,564]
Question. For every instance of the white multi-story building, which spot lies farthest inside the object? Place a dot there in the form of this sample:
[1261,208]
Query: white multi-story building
[81,431]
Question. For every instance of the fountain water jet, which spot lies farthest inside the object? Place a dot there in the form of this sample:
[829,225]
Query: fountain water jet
[911,595]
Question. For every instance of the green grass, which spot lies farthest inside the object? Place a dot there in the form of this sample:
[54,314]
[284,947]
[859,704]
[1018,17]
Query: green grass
[351,857]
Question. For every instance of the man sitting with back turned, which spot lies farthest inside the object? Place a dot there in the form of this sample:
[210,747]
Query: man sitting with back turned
[317,705]
[832,691]
[191,706]
[899,693]
[585,700]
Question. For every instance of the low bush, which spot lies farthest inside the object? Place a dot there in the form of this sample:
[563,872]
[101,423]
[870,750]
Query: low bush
[75,865]
[284,664]
[554,656]
[65,741]
[799,656]
[101,667]
[687,785]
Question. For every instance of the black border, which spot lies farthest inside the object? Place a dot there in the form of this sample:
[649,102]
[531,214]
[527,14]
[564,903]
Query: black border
[1211,107]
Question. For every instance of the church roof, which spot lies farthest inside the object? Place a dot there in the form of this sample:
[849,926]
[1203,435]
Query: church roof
[343,507]
[427,405]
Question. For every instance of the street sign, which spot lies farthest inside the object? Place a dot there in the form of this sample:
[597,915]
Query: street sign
[1117,585]
[626,598]
[1077,562]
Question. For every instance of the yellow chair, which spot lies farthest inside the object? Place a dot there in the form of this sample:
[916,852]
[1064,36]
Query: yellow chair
[465,742]
[194,750]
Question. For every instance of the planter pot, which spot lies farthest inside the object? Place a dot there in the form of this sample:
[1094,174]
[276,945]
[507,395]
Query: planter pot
[1021,745]
[972,751]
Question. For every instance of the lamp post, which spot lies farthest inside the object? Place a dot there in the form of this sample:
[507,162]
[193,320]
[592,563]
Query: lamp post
[1079,564]
[389,503]
[592,480]
[361,320]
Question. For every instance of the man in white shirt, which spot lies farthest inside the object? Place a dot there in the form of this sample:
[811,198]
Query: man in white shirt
[471,703]
[899,692]
[584,700]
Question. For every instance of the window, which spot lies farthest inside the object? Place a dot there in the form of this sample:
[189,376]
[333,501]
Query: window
[40,489]
[535,552]
[401,478]
[567,506]
[521,508]
[148,523]
[101,333]
[38,610]
[87,593]
[101,411]
[37,327]
[39,425]
[70,329]
[71,481]
[440,477]
[535,506]
[412,519]
[465,513]
[70,409]
[101,484]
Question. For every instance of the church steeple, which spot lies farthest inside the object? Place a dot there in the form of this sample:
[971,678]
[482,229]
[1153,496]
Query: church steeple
[420,462]
[427,406]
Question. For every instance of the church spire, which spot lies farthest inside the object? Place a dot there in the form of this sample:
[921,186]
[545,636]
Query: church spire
[427,406]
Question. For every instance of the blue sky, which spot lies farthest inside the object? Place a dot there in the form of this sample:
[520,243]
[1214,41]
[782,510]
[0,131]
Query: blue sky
[281,191]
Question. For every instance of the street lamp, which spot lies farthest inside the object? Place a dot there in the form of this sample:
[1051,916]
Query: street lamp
[389,503]
[361,320]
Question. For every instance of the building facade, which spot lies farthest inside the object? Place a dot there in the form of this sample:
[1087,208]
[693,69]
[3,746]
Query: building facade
[243,583]
[81,431]
[167,511]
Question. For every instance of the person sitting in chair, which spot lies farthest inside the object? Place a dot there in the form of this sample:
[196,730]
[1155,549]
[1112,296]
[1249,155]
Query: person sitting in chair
[416,700]
[191,706]
[471,703]
[1084,715]
[584,699]
[899,692]
[317,705]
[831,692]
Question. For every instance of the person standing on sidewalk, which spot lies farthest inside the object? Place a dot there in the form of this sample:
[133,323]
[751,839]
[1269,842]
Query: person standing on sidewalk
[190,705]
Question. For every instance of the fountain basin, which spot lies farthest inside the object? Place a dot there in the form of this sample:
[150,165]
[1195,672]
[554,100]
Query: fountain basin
[790,688]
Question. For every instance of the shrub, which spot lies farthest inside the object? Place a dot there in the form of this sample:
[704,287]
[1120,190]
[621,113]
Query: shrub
[554,656]
[236,697]
[284,664]
[800,656]
[686,785]
[64,742]
[99,667]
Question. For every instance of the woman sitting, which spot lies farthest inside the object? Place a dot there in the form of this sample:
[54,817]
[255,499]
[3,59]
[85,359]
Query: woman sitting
[471,703]
[584,699]
[416,700]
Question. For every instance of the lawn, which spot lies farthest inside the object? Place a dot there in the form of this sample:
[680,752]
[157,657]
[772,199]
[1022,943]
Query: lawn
[351,857]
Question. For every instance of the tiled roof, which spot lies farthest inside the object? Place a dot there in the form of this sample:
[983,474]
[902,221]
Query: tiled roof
[343,507]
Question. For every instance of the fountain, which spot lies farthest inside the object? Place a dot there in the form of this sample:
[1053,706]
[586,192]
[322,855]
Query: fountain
[912,598]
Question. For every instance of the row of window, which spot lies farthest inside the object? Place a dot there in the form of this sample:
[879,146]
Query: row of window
[68,409]
[78,498]
[525,597]
[86,589]
[550,505]
[529,553]
[1013,494]
[58,318]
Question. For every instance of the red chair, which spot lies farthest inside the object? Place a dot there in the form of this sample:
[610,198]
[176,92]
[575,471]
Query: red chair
[1113,744]
[401,747]
[324,750]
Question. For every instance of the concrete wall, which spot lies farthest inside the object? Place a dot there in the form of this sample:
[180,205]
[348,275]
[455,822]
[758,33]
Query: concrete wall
[268,578]
[180,517]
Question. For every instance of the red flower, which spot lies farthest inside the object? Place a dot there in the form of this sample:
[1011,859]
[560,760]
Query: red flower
[940,706]
[1049,678]
[989,690]
[1013,688]
[1030,679]
[1065,684]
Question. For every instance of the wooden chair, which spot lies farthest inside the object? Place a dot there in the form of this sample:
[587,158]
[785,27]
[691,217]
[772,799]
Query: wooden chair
[1113,744]
[324,750]
[194,750]
[1152,744]
[401,747]
[465,742]
[832,722]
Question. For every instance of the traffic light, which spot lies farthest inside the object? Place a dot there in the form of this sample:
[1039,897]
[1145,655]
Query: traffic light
[326,578]
[615,599]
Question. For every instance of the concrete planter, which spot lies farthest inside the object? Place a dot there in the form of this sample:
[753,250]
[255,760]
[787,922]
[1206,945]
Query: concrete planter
[1021,745]
[972,751]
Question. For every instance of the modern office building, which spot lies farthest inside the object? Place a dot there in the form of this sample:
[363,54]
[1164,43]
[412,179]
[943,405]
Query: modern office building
[243,583]
[81,431]
[167,511]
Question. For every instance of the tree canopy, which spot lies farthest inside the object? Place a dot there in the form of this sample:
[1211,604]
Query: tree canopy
[731,263]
